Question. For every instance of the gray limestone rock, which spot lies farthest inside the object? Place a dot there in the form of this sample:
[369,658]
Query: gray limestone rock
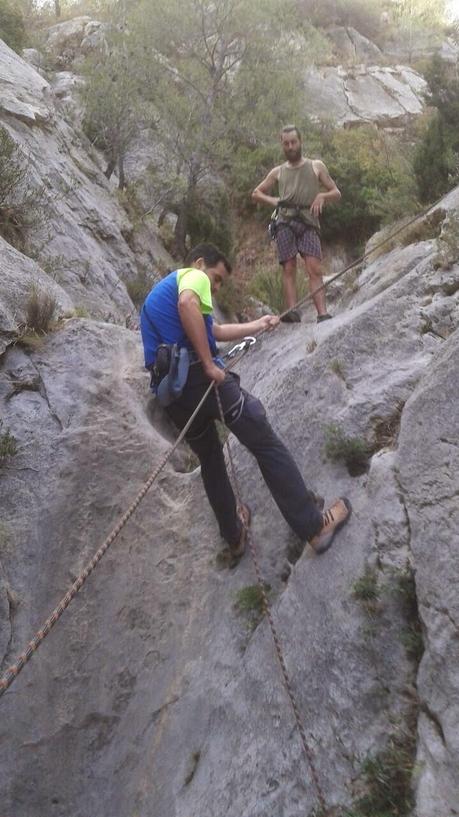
[389,97]
[352,47]
[153,696]
[429,476]
[86,235]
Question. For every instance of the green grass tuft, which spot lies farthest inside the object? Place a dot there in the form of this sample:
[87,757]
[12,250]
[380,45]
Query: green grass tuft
[8,444]
[353,451]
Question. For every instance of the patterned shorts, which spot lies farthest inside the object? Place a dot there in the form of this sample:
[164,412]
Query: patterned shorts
[296,237]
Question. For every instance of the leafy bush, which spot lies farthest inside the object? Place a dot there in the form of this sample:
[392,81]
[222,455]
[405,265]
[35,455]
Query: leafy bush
[23,205]
[12,28]
[377,183]
[436,160]
[433,161]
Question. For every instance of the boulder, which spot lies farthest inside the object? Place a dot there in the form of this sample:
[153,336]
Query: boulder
[388,97]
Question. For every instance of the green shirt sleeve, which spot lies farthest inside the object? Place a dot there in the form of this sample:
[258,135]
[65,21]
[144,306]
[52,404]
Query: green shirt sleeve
[198,282]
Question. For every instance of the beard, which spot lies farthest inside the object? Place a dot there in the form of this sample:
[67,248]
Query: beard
[293,155]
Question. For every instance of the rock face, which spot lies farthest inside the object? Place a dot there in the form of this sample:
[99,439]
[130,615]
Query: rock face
[389,97]
[151,697]
[352,47]
[85,236]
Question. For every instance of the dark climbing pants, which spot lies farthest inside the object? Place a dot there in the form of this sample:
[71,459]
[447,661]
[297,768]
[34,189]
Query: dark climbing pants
[245,416]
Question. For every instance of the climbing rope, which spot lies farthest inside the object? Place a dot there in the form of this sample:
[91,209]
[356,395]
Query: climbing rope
[13,671]
[267,609]
[310,295]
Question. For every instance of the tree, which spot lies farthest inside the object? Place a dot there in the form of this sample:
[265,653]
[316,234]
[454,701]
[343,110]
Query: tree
[431,164]
[112,103]
[12,28]
[219,74]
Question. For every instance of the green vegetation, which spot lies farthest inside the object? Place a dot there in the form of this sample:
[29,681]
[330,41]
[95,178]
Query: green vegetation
[8,445]
[413,642]
[448,245]
[12,27]
[217,78]
[387,777]
[437,153]
[80,312]
[23,205]
[374,172]
[139,287]
[366,588]
[411,637]
[336,366]
[386,429]
[250,599]
[40,307]
[250,603]
[266,286]
[230,298]
[353,451]
[112,104]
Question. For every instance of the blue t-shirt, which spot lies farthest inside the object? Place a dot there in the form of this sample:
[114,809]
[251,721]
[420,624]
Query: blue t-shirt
[160,319]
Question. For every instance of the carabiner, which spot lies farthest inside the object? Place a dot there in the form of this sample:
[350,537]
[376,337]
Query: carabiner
[245,344]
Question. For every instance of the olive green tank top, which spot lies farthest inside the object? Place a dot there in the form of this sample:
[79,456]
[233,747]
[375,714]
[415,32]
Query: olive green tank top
[298,186]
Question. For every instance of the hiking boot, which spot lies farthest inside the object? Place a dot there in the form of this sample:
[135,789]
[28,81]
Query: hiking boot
[334,518]
[317,499]
[245,515]
[293,316]
[325,317]
[296,547]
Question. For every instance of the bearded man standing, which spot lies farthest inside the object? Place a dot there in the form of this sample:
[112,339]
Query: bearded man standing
[297,228]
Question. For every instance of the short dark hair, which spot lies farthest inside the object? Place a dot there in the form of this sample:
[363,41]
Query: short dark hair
[289,129]
[211,255]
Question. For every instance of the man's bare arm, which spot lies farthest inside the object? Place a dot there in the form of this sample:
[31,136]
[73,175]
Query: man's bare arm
[332,194]
[261,193]
[234,331]
[195,329]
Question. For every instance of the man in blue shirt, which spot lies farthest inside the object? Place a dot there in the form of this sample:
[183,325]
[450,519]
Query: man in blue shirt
[178,310]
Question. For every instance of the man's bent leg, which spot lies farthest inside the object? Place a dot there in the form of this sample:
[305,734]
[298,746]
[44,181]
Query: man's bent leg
[278,467]
[208,448]
[203,439]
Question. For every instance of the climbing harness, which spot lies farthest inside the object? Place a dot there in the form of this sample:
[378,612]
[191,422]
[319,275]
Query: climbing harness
[171,386]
